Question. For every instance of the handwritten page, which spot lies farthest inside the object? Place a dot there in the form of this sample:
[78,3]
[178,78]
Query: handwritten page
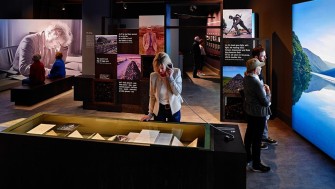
[164,139]
[132,136]
[41,128]
[147,136]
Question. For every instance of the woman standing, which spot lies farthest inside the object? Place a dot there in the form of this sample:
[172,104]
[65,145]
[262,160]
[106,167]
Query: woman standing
[165,89]
[257,107]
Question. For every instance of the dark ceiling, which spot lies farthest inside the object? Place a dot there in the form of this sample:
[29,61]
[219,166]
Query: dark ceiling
[72,9]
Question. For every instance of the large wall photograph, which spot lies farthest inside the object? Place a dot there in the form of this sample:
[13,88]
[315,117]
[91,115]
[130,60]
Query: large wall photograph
[25,37]
[105,56]
[313,110]
[237,23]
[106,44]
[151,34]
[128,67]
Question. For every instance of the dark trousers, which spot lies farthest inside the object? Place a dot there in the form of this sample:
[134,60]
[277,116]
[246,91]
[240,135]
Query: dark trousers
[165,114]
[197,64]
[202,62]
[253,137]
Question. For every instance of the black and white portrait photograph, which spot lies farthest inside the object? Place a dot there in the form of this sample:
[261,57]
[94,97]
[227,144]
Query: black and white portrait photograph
[20,39]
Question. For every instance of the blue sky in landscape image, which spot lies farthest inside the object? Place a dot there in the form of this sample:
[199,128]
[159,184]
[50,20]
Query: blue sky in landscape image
[231,71]
[314,24]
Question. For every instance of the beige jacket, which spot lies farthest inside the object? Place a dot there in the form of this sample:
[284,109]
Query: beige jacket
[175,89]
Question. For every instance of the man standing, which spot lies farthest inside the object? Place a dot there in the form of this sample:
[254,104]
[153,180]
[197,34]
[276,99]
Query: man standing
[260,54]
[196,56]
[149,42]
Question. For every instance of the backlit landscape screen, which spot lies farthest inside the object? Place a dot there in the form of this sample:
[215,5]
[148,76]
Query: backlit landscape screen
[313,110]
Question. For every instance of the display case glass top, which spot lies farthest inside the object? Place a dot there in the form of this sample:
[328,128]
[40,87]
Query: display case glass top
[121,131]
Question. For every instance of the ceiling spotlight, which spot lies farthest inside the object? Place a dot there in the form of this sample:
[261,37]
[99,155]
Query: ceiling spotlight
[63,8]
[124,6]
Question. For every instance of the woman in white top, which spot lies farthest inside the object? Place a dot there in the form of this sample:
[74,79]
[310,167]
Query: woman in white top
[165,89]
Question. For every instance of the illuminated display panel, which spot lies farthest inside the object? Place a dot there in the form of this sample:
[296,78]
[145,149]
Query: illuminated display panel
[313,110]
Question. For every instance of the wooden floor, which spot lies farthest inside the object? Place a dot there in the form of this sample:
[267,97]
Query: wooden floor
[294,162]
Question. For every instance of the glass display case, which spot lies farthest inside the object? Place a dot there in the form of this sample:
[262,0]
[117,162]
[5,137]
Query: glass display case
[121,131]
[75,151]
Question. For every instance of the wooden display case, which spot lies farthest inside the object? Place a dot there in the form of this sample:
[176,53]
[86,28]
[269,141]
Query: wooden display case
[42,160]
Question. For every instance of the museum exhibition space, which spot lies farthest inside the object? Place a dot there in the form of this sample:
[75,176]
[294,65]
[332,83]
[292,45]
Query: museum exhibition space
[84,130]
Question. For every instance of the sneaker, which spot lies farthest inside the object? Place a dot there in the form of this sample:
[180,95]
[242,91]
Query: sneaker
[260,168]
[270,141]
[249,166]
[195,76]
[264,146]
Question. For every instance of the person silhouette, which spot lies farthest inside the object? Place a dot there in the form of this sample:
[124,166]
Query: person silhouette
[196,54]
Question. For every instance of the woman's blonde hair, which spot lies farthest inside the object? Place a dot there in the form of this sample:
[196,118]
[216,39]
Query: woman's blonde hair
[161,58]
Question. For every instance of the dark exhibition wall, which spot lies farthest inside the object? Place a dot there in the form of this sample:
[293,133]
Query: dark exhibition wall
[93,18]
[17,9]
[274,23]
